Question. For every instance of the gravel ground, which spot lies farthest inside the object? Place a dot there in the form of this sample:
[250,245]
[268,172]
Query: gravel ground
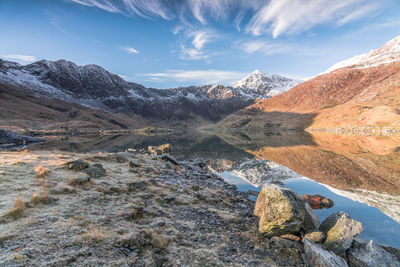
[145,211]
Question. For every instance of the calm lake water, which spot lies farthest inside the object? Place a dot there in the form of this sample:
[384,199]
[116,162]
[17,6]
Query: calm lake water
[360,174]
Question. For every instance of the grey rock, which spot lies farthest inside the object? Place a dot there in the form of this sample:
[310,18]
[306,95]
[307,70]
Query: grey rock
[282,242]
[370,254]
[134,164]
[340,230]
[169,158]
[311,220]
[82,180]
[95,171]
[316,236]
[280,210]
[318,257]
[123,157]
[77,165]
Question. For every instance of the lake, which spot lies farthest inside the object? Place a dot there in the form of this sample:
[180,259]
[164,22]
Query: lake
[360,174]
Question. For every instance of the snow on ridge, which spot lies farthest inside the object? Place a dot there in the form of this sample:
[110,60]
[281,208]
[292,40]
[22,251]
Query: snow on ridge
[387,54]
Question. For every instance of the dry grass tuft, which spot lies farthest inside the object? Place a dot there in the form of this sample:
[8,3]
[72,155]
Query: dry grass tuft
[93,236]
[41,197]
[41,172]
[18,211]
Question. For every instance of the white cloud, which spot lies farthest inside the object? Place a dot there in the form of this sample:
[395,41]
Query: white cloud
[198,76]
[195,50]
[266,47]
[131,50]
[276,17]
[293,16]
[23,58]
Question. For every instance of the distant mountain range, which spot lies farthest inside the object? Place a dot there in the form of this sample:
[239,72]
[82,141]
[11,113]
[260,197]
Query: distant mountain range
[361,91]
[94,87]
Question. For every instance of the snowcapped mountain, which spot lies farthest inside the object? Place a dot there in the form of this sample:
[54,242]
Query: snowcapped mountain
[93,86]
[388,53]
[264,85]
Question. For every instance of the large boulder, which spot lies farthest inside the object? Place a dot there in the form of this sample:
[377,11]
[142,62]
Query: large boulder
[340,230]
[370,254]
[319,257]
[280,210]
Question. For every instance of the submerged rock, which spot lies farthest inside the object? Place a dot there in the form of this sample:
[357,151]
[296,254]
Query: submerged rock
[280,210]
[318,201]
[370,254]
[319,257]
[340,230]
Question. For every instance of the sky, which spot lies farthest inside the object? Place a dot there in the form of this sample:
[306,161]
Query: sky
[170,43]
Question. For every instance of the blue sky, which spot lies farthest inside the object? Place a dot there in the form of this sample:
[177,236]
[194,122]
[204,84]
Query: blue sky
[161,43]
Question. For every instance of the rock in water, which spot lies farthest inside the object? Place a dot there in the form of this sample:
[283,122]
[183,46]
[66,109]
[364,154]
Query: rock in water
[280,210]
[370,254]
[318,257]
[340,230]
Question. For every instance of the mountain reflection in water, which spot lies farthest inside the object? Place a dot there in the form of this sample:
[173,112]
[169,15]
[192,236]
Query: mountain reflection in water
[357,172]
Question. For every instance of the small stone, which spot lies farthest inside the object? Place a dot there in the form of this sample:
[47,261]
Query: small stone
[77,165]
[137,186]
[169,158]
[282,242]
[316,236]
[252,192]
[291,237]
[134,164]
[82,180]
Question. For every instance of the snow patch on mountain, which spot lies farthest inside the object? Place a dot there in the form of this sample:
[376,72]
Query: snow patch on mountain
[385,55]
[265,85]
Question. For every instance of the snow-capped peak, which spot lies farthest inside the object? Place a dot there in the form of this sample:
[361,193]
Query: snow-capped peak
[264,84]
[388,53]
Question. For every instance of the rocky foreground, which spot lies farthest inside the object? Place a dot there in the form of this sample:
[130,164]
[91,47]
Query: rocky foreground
[127,209]
[134,209]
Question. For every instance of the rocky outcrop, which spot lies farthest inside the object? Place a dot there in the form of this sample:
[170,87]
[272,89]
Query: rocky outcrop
[281,211]
[370,254]
[319,257]
[340,230]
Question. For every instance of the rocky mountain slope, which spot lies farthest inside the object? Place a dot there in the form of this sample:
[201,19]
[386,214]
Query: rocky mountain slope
[356,95]
[94,87]
[385,55]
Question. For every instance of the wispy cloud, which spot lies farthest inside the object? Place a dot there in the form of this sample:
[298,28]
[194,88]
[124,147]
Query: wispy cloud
[293,16]
[195,50]
[198,76]
[276,17]
[130,50]
[21,58]
[266,47]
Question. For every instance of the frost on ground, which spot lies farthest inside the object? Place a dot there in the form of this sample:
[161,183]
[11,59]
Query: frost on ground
[142,211]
